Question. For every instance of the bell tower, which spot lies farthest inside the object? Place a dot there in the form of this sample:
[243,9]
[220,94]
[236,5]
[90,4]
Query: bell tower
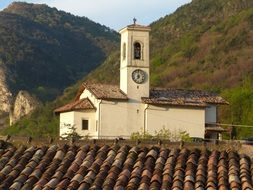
[134,61]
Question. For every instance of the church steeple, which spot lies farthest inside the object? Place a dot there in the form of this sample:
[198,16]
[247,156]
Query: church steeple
[134,61]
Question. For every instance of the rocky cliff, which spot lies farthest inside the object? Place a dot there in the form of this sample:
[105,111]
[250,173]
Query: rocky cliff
[24,104]
[36,42]
[5,99]
[5,94]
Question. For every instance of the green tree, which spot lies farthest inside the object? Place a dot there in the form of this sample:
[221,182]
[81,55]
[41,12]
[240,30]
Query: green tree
[72,135]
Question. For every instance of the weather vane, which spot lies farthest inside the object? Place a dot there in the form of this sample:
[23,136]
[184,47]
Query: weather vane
[134,20]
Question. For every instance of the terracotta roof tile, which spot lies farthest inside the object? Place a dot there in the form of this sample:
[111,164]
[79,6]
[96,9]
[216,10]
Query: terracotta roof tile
[103,91]
[176,97]
[115,167]
[183,97]
[82,104]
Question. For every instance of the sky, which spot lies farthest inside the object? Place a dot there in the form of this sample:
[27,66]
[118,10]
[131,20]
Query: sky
[113,13]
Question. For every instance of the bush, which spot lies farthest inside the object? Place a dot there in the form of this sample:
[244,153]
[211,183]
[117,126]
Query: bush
[73,135]
[164,133]
[141,135]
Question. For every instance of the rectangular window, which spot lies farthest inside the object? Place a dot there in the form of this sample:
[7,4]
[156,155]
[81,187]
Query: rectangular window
[85,124]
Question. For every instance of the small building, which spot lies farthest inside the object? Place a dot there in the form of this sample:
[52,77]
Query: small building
[109,111]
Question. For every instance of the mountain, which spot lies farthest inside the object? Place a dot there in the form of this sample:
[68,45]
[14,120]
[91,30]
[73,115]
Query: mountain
[206,44]
[43,50]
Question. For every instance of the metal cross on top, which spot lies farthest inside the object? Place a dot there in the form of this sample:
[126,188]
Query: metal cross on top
[134,20]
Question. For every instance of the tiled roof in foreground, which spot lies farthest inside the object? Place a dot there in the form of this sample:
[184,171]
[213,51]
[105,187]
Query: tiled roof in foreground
[183,97]
[122,167]
[82,104]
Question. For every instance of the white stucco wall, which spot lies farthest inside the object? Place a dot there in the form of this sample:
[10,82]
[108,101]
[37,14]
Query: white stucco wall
[191,120]
[116,118]
[74,118]
[66,121]
[91,117]
[124,40]
[211,114]
[121,119]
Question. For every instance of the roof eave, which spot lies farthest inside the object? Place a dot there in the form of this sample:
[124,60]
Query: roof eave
[70,110]
[136,27]
[218,103]
[113,99]
[174,105]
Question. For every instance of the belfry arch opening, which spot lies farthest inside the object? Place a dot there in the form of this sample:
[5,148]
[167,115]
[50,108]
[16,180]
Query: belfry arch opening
[137,50]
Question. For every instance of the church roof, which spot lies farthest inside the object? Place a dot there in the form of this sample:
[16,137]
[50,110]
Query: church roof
[103,91]
[176,97]
[82,104]
[183,97]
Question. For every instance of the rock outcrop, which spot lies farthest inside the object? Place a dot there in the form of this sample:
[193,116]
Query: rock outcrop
[5,94]
[24,105]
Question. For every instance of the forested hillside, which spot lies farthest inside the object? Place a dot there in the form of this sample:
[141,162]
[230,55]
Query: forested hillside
[207,44]
[212,41]
[44,50]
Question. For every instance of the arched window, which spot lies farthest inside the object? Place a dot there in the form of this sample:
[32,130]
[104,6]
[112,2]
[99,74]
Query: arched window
[124,51]
[137,50]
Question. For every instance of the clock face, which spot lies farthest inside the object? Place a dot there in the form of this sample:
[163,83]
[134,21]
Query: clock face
[138,76]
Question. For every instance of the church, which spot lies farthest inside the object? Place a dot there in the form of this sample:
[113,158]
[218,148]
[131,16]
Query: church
[110,111]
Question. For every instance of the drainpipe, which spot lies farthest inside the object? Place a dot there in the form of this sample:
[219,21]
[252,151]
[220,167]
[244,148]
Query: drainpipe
[145,122]
[99,118]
